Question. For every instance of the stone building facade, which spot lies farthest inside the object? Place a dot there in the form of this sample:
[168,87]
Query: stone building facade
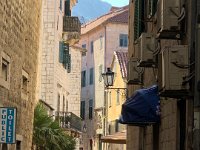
[60,64]
[101,37]
[175,131]
[19,48]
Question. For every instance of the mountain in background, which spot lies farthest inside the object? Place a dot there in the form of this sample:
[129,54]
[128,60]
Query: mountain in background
[88,10]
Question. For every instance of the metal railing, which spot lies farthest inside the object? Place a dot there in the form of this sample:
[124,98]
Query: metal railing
[69,120]
[71,24]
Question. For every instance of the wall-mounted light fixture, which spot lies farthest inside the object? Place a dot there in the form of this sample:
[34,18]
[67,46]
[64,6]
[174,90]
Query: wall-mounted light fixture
[109,81]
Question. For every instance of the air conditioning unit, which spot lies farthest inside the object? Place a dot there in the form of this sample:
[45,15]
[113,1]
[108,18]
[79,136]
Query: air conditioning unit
[147,46]
[168,12]
[134,73]
[173,71]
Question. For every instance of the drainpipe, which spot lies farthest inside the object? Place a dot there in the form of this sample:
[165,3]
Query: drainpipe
[105,94]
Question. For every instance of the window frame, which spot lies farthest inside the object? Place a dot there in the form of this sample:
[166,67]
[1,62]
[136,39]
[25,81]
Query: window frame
[83,78]
[84,46]
[90,109]
[123,40]
[91,76]
[92,47]
[5,59]
[82,112]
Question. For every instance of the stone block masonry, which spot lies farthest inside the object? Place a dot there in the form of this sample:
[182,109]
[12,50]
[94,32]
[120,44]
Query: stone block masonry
[19,28]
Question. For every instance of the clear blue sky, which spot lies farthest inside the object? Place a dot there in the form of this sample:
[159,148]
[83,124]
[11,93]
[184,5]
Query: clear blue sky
[117,3]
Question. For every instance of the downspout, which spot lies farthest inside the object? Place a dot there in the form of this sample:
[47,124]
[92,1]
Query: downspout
[105,94]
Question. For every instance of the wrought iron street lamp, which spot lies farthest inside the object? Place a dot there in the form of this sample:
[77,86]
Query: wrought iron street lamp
[108,77]
[109,80]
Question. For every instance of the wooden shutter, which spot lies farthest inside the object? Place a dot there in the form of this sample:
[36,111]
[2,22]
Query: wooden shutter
[68,64]
[67,58]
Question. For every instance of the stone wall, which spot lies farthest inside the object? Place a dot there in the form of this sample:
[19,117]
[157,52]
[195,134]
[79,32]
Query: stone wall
[167,135]
[19,46]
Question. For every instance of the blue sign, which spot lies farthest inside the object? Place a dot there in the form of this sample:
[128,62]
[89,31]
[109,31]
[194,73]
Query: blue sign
[7,125]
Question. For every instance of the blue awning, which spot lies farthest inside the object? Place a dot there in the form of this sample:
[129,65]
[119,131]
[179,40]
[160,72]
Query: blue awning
[142,108]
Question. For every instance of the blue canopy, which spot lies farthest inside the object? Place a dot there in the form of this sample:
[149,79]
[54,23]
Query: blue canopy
[142,108]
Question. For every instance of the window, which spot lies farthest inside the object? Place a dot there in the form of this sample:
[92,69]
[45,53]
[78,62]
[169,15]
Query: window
[58,104]
[84,47]
[4,146]
[66,106]
[83,110]
[24,86]
[138,19]
[83,78]
[110,99]
[61,5]
[91,75]
[100,73]
[5,67]
[67,8]
[116,125]
[64,56]
[18,145]
[123,40]
[5,70]
[152,7]
[90,109]
[101,42]
[63,103]
[91,47]
[118,94]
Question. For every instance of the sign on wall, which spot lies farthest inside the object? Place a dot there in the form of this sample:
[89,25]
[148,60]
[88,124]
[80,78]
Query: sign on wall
[8,125]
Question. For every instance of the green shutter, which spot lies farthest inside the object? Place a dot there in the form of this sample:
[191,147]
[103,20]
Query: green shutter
[61,52]
[67,58]
[138,18]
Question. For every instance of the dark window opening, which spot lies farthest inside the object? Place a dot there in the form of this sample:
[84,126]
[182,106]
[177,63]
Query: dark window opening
[5,69]
[182,123]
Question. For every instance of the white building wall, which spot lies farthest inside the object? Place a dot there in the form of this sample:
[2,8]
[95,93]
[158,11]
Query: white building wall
[54,77]
[101,56]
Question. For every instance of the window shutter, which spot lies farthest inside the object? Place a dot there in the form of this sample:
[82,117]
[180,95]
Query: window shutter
[91,75]
[68,65]
[67,58]
[100,73]
[138,18]
[83,78]
[91,46]
[61,52]
[67,8]
[90,109]
[83,109]
[116,125]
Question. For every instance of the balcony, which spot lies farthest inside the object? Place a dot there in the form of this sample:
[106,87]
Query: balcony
[71,29]
[69,120]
